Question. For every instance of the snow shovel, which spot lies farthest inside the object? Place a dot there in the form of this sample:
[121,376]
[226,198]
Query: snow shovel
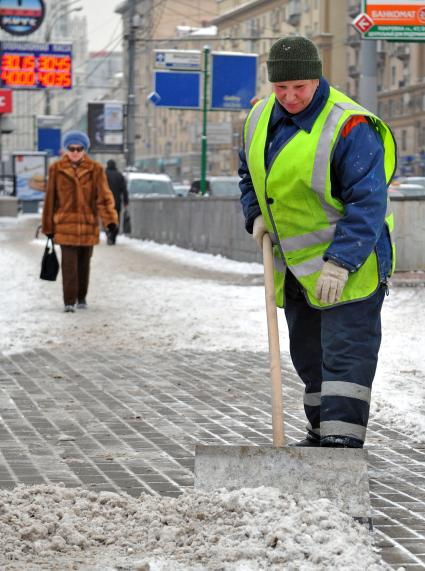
[337,474]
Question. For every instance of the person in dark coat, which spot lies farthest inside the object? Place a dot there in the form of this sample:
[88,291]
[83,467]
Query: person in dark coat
[118,185]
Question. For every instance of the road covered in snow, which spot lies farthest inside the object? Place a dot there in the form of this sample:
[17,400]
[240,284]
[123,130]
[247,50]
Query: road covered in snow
[149,296]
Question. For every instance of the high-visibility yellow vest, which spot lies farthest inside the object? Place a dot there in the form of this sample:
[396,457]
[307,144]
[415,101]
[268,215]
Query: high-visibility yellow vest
[296,200]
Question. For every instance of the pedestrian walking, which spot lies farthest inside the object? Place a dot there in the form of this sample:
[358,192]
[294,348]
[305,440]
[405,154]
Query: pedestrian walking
[315,170]
[77,195]
[118,185]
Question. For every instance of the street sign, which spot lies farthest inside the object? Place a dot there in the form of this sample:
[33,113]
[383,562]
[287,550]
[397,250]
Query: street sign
[362,23]
[180,89]
[397,20]
[5,101]
[178,59]
[233,80]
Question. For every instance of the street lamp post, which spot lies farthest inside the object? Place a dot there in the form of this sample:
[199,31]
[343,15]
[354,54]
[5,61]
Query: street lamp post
[47,38]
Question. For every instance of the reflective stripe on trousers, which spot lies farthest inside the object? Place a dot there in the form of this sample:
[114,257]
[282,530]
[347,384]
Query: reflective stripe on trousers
[339,345]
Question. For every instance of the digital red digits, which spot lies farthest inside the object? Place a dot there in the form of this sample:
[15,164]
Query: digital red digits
[35,71]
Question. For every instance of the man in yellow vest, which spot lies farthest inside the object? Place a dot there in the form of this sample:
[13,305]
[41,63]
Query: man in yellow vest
[315,170]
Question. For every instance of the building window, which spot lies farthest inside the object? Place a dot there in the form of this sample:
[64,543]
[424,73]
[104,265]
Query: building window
[393,74]
[421,133]
[404,140]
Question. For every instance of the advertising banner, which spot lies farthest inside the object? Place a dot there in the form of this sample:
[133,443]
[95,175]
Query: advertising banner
[30,175]
[106,126]
[395,20]
[233,80]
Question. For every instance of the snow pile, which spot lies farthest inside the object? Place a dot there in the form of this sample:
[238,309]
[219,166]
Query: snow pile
[246,530]
[213,262]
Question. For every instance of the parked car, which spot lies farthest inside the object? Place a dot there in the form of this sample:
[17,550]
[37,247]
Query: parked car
[218,186]
[181,189]
[149,184]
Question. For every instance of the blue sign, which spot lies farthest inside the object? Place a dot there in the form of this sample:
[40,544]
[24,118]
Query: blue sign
[49,140]
[233,80]
[179,89]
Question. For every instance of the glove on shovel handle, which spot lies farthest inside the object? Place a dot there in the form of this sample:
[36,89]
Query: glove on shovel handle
[274,347]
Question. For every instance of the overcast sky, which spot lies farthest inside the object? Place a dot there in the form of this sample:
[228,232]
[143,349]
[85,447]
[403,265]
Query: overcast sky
[103,23]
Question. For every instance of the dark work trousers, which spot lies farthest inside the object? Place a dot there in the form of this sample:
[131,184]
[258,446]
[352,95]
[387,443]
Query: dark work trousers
[75,272]
[335,353]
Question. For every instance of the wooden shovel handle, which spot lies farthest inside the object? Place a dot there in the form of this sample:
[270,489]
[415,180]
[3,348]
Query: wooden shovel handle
[274,347]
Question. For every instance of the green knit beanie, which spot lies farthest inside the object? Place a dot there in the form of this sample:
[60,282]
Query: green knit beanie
[292,58]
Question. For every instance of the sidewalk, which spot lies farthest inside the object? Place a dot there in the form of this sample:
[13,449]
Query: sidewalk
[129,422]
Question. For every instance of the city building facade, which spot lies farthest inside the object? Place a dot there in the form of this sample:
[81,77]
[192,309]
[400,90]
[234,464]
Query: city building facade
[169,140]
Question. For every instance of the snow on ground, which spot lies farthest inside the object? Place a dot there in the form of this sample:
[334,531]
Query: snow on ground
[248,530]
[196,259]
[134,306]
[149,296]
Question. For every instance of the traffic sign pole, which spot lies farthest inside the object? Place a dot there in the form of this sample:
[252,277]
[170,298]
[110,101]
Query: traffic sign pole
[204,125]
[368,90]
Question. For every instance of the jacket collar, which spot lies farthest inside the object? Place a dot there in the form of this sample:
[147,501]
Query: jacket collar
[66,166]
[304,120]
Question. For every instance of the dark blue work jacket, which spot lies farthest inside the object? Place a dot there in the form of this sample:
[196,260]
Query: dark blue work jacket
[357,178]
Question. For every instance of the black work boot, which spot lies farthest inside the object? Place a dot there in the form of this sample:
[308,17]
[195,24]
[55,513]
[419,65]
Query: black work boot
[340,442]
[311,440]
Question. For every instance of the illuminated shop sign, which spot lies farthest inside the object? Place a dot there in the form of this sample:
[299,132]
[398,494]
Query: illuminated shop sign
[21,17]
[26,65]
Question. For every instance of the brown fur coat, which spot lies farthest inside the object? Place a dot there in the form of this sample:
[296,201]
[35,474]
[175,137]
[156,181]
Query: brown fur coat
[75,199]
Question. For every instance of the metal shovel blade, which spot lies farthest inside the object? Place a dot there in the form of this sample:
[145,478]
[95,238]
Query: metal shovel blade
[337,474]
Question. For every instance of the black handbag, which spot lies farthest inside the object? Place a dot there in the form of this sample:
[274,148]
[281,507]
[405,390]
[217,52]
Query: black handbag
[49,263]
[126,222]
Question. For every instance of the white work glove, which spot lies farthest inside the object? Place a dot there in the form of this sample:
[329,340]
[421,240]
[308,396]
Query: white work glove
[331,282]
[258,231]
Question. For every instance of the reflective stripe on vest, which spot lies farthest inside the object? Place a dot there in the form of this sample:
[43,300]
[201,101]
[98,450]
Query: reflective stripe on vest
[337,111]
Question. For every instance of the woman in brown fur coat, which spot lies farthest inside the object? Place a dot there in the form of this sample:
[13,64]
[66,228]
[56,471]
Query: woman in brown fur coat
[77,195]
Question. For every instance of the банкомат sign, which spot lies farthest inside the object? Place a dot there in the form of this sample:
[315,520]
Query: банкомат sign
[396,20]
